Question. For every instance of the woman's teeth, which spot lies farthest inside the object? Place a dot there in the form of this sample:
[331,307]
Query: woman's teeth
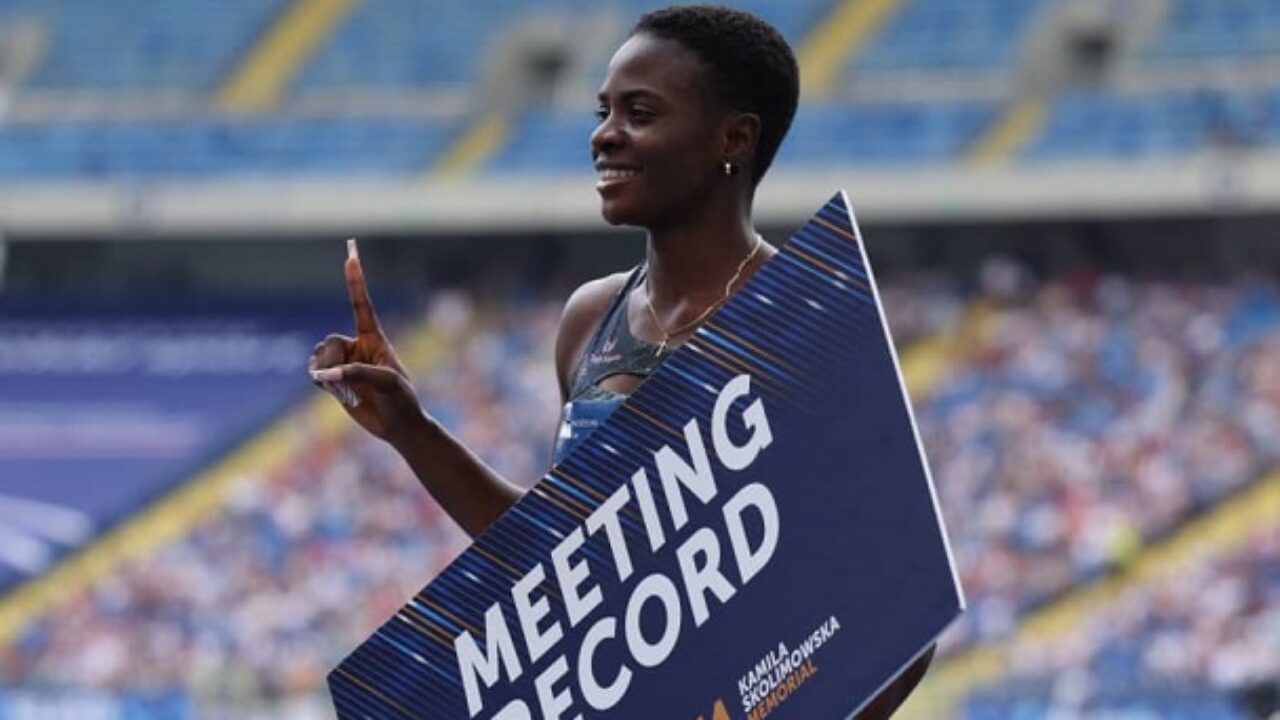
[616,174]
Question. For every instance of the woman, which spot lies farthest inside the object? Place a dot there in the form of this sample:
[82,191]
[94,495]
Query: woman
[692,111]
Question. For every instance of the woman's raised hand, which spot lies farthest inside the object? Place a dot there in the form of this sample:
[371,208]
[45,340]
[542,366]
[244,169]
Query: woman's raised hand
[363,372]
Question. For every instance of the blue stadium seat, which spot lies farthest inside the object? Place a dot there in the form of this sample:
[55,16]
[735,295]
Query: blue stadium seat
[947,35]
[405,43]
[1195,29]
[143,44]
[547,141]
[190,47]
[207,148]
[888,134]
[831,134]
[1101,123]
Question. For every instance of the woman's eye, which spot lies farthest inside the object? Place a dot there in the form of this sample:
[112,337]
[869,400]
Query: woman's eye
[602,113]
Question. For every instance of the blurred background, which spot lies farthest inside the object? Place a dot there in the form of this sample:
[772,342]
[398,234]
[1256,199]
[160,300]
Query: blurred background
[1072,208]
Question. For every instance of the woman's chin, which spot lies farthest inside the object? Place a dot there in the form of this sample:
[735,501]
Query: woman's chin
[616,213]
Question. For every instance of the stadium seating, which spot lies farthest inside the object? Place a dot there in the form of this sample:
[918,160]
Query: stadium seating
[407,44]
[1098,123]
[339,518]
[979,35]
[884,134]
[1085,418]
[1237,29]
[1112,369]
[1197,640]
[187,46]
[227,148]
[191,47]
[829,134]
[1080,420]
[547,141]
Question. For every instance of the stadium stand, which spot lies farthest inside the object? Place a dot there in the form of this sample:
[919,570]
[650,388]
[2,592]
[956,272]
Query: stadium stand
[900,134]
[142,44]
[941,35]
[338,516]
[402,43]
[1200,30]
[242,148]
[1161,387]
[1165,384]
[546,141]
[1100,123]
[1169,648]
[880,135]
[884,133]
[1075,422]
[397,45]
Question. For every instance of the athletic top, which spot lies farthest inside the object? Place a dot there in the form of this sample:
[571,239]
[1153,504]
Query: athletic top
[613,350]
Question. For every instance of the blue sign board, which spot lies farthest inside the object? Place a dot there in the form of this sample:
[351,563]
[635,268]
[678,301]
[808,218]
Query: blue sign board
[753,533]
[102,411]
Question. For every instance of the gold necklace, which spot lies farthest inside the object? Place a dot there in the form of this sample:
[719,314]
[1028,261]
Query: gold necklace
[667,334]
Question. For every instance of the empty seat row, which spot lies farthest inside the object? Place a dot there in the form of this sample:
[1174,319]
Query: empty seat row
[1098,123]
[220,148]
[1083,124]
[190,46]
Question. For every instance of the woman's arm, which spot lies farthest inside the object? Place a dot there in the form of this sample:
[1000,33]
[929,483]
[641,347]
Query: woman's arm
[373,385]
[365,373]
[471,492]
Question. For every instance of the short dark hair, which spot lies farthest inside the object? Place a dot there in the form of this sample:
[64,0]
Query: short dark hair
[751,66]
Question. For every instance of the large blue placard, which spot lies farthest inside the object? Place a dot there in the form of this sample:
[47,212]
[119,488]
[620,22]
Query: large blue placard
[104,409]
[752,534]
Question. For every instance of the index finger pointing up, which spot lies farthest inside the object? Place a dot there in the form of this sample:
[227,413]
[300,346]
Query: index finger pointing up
[361,304]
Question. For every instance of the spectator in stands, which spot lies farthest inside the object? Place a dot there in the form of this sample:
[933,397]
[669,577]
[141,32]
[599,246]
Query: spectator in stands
[1092,417]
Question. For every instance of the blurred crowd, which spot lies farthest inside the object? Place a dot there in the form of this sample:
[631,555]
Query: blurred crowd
[1089,416]
[306,560]
[1198,640]
[1093,415]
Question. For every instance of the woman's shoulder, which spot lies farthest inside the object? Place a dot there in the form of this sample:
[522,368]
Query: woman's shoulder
[583,311]
[593,297]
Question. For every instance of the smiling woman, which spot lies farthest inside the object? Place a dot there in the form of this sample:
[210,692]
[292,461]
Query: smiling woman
[692,111]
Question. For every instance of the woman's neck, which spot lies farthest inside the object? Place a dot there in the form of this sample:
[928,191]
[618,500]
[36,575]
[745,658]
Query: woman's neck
[690,262]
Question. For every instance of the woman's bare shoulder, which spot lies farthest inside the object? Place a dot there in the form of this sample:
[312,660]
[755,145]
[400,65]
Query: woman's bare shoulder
[582,313]
[593,297]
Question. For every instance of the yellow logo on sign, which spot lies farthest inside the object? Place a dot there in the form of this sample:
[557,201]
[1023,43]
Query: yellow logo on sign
[718,712]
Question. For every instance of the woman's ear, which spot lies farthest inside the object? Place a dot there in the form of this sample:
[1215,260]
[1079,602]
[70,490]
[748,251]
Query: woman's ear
[741,136]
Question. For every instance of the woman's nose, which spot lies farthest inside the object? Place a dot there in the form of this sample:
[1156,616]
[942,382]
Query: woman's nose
[606,136]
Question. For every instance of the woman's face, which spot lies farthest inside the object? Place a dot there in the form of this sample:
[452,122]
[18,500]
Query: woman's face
[656,150]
